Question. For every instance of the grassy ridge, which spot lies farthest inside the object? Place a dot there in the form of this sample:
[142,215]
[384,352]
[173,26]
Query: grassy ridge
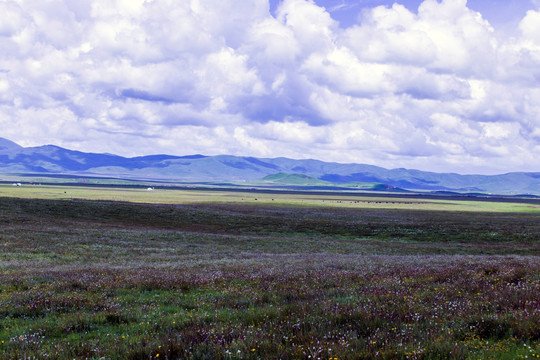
[250,279]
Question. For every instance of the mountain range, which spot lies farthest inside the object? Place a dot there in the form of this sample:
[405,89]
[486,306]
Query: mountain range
[50,159]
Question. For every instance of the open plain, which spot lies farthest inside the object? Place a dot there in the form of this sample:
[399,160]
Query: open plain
[170,274]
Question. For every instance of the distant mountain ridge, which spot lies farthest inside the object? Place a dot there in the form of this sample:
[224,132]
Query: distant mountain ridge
[50,159]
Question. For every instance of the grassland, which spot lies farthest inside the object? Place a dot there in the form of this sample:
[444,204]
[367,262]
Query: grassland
[127,273]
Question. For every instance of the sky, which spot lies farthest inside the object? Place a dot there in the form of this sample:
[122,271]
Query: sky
[446,86]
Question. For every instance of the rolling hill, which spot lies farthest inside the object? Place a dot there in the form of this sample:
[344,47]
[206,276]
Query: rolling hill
[50,159]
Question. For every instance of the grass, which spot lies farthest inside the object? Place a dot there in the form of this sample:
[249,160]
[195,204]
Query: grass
[289,199]
[217,275]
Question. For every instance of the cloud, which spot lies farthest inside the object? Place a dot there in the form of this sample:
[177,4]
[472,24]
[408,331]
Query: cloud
[530,26]
[443,37]
[437,89]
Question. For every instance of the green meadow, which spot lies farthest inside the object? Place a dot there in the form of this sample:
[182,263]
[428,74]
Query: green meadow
[126,273]
[285,198]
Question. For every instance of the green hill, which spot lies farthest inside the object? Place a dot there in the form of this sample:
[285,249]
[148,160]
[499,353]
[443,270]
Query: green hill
[295,179]
[50,159]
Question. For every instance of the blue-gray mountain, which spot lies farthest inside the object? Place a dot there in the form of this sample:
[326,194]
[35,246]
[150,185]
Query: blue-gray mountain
[51,159]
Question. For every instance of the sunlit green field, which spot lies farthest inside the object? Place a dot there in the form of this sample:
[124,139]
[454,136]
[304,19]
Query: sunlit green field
[165,196]
[173,274]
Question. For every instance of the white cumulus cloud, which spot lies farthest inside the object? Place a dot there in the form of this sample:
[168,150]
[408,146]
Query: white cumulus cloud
[439,88]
